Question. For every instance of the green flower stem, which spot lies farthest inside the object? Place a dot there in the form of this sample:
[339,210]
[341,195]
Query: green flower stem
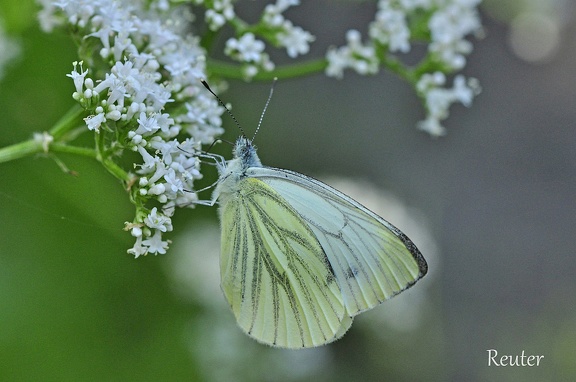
[65,125]
[102,157]
[69,121]
[20,150]
[31,147]
[234,71]
[117,171]
[34,146]
[68,149]
[398,68]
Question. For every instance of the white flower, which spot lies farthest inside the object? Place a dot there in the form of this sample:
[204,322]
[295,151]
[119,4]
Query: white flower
[221,11]
[138,249]
[159,172]
[449,26]
[157,189]
[93,122]
[272,16]
[136,231]
[250,51]
[123,45]
[430,80]
[296,40]
[438,99]
[147,125]
[167,149]
[157,221]
[464,90]
[354,55]
[337,62]
[390,27]
[202,118]
[173,182]
[432,126]
[155,243]
[78,77]
[154,61]
[247,48]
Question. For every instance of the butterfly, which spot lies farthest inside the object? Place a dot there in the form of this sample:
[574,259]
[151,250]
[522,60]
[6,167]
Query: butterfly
[299,259]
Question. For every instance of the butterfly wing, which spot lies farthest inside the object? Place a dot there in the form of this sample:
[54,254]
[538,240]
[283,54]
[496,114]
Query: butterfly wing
[275,274]
[372,259]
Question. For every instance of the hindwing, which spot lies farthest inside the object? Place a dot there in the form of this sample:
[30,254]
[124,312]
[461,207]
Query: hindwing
[275,273]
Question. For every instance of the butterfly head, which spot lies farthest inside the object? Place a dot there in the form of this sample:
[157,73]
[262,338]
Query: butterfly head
[246,152]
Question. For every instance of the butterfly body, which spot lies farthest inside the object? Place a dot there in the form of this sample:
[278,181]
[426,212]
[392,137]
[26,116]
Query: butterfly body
[300,259]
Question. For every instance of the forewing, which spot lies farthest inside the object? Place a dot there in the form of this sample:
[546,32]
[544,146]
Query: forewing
[275,274]
[372,259]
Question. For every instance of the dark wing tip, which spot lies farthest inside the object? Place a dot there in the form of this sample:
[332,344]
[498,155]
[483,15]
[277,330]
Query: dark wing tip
[410,246]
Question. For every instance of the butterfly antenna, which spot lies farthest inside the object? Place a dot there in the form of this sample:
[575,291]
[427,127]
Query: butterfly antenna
[265,106]
[227,110]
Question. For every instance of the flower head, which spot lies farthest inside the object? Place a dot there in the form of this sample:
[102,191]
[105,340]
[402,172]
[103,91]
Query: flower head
[443,25]
[149,100]
[138,79]
[438,99]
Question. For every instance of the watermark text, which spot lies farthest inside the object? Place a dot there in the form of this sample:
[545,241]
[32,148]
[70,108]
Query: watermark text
[512,360]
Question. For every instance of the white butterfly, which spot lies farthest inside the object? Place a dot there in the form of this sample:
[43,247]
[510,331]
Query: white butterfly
[300,259]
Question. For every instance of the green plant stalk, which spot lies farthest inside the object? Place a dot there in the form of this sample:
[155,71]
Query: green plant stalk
[103,157]
[68,149]
[117,171]
[20,150]
[34,146]
[234,71]
[68,122]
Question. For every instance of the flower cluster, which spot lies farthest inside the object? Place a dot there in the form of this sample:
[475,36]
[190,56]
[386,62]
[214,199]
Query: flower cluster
[449,25]
[443,24]
[218,12]
[353,55]
[438,99]
[139,81]
[250,51]
[272,27]
[149,100]
[294,39]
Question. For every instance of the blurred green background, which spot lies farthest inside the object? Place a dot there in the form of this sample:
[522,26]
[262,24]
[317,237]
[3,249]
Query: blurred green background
[495,198]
